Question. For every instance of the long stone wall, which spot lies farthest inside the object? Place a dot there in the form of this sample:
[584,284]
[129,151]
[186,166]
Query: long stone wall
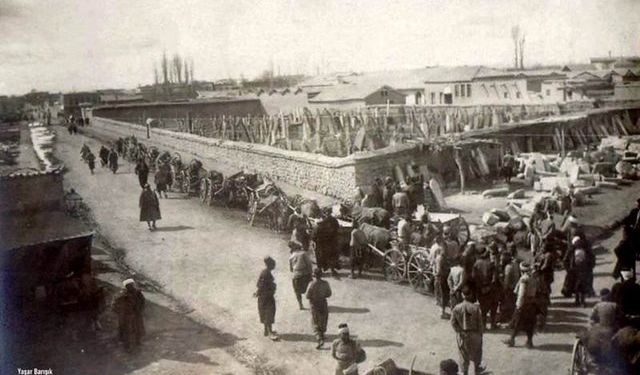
[333,176]
[327,175]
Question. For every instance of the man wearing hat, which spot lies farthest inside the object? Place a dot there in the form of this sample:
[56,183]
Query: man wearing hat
[347,352]
[266,289]
[301,266]
[149,207]
[128,306]
[526,309]
[467,322]
[387,193]
[317,294]
[485,277]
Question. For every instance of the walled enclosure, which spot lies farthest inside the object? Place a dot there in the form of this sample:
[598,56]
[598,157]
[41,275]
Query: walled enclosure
[337,177]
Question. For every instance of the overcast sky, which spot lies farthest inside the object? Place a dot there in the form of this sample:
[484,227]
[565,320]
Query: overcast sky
[64,45]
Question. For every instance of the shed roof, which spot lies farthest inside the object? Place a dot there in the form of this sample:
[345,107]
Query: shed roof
[347,92]
[23,230]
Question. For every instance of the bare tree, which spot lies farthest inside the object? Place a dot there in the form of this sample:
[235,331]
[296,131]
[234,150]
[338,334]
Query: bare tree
[164,64]
[515,36]
[186,71]
[521,50]
[191,70]
[177,67]
[156,77]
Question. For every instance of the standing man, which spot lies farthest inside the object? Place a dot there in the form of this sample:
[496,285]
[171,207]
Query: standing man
[91,161]
[317,294]
[456,281]
[149,207]
[484,278]
[128,306]
[387,193]
[441,274]
[510,276]
[467,322]
[300,265]
[142,170]
[627,248]
[326,237]
[104,156]
[113,160]
[347,352]
[526,309]
[507,166]
[266,290]
[359,248]
[400,203]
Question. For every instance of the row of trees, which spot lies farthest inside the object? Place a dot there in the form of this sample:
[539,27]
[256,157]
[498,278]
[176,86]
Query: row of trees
[517,36]
[174,69]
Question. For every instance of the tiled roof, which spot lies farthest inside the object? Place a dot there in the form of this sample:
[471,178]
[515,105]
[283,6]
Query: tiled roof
[346,92]
[22,230]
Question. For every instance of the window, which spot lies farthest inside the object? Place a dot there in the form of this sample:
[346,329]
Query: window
[548,92]
[418,99]
[569,94]
[518,94]
[384,93]
[468,90]
[462,91]
[506,95]
[448,99]
[433,98]
[440,97]
[457,89]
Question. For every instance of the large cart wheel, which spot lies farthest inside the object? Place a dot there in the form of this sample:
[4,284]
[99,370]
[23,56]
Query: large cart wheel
[462,231]
[579,359]
[419,272]
[205,191]
[394,267]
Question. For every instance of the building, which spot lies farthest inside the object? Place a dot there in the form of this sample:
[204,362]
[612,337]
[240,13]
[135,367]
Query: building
[120,98]
[608,63]
[352,96]
[73,102]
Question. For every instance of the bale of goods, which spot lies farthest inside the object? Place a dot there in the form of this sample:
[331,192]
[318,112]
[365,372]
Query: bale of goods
[498,192]
[490,219]
[518,194]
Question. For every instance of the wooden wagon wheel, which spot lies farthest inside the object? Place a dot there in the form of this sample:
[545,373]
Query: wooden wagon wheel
[419,272]
[205,191]
[394,266]
[579,359]
[462,231]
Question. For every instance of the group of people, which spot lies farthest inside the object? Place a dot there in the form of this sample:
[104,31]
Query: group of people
[108,158]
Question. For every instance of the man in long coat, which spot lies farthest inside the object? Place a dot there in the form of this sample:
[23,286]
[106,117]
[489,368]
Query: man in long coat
[467,322]
[149,207]
[113,161]
[128,306]
[104,156]
[266,290]
[484,277]
[142,170]
[317,294]
[326,237]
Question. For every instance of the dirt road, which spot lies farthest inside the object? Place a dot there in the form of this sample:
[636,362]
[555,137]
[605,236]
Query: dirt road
[209,259]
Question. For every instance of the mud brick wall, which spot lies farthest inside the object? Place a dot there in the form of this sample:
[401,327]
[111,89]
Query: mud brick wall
[327,175]
[37,191]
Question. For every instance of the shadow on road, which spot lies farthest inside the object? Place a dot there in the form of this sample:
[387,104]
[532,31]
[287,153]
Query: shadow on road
[348,310]
[176,228]
[566,348]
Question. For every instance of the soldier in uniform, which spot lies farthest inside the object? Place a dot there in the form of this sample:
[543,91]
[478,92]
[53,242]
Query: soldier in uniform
[317,294]
[467,322]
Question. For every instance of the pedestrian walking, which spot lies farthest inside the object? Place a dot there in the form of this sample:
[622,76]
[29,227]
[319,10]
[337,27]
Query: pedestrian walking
[113,161]
[347,352]
[91,161]
[301,267]
[104,156]
[441,275]
[142,170]
[317,294]
[508,162]
[266,289]
[510,277]
[467,322]
[526,308]
[325,235]
[163,179]
[128,306]
[149,207]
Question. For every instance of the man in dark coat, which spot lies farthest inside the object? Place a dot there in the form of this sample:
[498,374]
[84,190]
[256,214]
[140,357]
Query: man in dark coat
[627,248]
[113,161]
[627,293]
[104,156]
[129,306]
[317,294]
[149,207]
[91,161]
[142,170]
[326,237]
[387,193]
[526,308]
[266,289]
[163,179]
[484,275]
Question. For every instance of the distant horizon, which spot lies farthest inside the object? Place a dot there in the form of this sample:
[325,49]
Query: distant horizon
[73,45]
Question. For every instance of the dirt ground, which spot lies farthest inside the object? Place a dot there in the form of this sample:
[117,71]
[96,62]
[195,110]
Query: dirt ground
[208,259]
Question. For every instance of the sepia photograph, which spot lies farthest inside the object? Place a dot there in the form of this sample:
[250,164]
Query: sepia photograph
[319,187]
